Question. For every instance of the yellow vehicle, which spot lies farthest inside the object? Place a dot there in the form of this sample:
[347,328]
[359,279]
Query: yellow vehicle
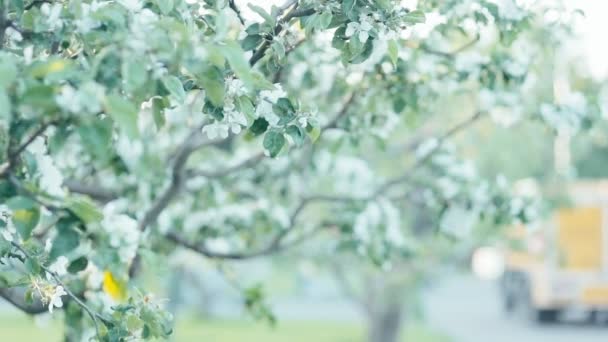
[563,265]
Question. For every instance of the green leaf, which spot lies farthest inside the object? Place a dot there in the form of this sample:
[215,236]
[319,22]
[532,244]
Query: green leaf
[145,334]
[259,10]
[78,265]
[165,6]
[283,107]
[52,66]
[259,126]
[158,105]
[29,296]
[278,49]
[26,214]
[415,17]
[296,133]
[285,110]
[393,51]
[367,50]
[339,39]
[325,19]
[239,64]
[251,42]
[492,8]
[213,82]
[246,107]
[8,72]
[347,8]
[124,114]
[134,74]
[134,323]
[174,87]
[254,28]
[84,209]
[5,106]
[39,97]
[273,142]
[211,109]
[313,132]
[32,266]
[96,137]
[64,242]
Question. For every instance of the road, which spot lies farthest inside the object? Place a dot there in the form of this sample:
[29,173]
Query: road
[468,310]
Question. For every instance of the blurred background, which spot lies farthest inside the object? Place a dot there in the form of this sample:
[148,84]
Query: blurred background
[514,286]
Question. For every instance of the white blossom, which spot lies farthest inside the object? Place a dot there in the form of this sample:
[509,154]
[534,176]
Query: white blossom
[59,267]
[51,178]
[53,15]
[265,101]
[123,232]
[48,244]
[86,23]
[54,300]
[8,232]
[216,130]
[360,28]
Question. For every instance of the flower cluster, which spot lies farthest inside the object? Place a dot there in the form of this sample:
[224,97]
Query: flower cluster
[234,119]
[48,293]
[122,232]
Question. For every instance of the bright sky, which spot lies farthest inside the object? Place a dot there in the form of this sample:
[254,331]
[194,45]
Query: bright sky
[592,28]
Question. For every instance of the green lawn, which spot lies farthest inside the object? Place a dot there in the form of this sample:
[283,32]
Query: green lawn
[24,329]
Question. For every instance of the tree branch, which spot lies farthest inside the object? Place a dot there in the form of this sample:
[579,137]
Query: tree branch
[95,192]
[193,142]
[249,162]
[13,154]
[406,177]
[16,297]
[236,10]
[454,52]
[94,315]
[293,13]
[252,161]
[34,3]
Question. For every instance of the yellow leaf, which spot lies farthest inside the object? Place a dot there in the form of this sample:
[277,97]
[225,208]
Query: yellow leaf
[115,288]
[56,66]
[22,215]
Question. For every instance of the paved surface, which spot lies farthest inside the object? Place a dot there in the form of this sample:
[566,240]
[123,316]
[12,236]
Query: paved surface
[468,310]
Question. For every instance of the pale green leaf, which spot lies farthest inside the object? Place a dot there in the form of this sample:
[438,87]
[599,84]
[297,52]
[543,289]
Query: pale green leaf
[174,87]
[273,142]
[124,113]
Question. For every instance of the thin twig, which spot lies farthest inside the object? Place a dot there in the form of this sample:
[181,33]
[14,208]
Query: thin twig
[236,10]
[94,315]
[252,161]
[13,154]
[421,161]
[293,13]
[454,52]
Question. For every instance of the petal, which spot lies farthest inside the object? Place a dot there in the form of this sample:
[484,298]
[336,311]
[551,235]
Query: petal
[366,26]
[363,35]
[351,28]
[223,131]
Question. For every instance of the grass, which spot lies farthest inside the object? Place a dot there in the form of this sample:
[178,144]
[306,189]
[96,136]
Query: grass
[18,327]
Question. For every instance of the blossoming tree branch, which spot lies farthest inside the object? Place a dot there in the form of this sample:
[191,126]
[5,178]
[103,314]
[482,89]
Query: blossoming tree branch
[235,129]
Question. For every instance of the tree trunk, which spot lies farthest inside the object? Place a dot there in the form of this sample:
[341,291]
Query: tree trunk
[385,325]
